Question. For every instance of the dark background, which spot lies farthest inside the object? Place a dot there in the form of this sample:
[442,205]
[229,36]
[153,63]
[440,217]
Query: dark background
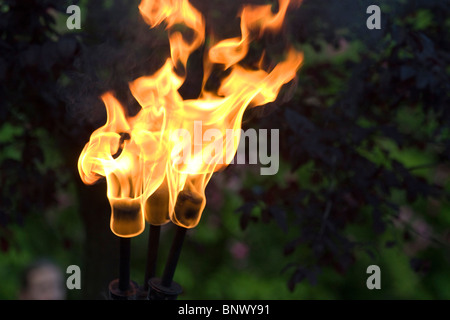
[364,142]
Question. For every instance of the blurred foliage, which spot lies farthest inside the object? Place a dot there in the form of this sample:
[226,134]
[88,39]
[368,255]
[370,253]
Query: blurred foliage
[364,153]
[373,132]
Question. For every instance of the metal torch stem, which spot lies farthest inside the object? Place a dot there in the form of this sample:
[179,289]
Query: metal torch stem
[124,266]
[152,254]
[174,255]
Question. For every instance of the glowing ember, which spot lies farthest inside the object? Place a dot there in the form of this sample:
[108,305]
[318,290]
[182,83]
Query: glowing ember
[171,145]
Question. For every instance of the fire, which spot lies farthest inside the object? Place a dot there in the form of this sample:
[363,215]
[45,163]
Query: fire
[171,145]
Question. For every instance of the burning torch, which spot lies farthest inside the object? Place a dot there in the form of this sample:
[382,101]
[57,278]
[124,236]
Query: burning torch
[155,172]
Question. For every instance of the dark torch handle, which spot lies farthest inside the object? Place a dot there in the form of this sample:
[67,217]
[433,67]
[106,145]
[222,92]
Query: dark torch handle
[174,254]
[124,266]
[152,253]
[187,208]
[123,288]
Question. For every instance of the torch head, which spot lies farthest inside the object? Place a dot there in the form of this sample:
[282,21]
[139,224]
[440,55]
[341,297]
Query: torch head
[127,219]
[156,208]
[188,208]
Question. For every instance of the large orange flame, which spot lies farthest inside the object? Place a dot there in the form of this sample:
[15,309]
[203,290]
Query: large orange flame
[173,145]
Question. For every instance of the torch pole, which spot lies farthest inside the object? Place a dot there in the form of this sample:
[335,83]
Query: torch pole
[123,288]
[164,288]
[152,254]
[174,255]
[188,206]
[124,264]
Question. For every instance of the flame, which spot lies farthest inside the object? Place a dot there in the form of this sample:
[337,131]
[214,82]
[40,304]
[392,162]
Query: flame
[157,163]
